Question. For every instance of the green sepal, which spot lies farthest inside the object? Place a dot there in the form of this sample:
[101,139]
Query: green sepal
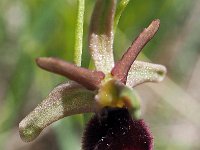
[101,35]
[64,100]
[141,72]
[119,10]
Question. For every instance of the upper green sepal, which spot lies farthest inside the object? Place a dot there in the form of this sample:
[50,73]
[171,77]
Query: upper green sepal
[101,35]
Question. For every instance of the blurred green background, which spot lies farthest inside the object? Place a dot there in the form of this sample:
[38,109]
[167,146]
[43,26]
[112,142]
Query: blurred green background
[34,28]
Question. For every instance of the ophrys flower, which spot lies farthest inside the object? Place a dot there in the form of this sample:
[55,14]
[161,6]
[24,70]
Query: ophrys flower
[106,90]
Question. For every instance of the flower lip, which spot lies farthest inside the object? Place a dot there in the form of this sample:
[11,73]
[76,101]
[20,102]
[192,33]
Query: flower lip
[114,129]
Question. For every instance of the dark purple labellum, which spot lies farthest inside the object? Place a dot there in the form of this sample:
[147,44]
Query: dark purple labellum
[114,129]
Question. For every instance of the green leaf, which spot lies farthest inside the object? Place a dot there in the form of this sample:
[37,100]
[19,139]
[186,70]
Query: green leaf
[141,72]
[65,100]
[120,8]
[101,35]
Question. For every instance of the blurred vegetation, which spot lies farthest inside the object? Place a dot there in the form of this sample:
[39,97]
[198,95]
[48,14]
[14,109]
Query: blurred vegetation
[34,28]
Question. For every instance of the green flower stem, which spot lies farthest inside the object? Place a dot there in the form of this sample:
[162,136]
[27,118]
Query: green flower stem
[61,132]
[120,8]
[79,32]
[79,41]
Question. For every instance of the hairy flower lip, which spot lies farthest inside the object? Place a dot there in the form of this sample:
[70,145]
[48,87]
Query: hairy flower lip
[90,79]
[115,129]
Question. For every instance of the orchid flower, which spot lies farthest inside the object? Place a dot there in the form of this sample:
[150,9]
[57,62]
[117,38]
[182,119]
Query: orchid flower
[106,91]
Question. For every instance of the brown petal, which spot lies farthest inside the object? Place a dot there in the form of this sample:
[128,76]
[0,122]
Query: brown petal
[89,79]
[121,69]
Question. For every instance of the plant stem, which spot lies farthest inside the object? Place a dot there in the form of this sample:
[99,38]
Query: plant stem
[79,40]
[79,32]
[61,132]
